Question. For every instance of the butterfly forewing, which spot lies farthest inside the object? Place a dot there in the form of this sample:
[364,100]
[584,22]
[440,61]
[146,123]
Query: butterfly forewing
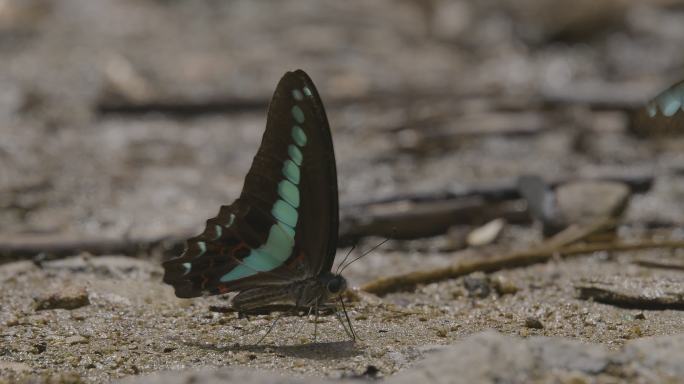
[293,175]
[283,228]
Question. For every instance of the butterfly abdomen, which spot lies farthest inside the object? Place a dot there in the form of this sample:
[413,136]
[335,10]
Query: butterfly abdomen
[303,294]
[255,298]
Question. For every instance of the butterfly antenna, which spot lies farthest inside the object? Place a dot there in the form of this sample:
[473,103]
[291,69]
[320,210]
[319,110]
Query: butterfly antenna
[364,254]
[337,272]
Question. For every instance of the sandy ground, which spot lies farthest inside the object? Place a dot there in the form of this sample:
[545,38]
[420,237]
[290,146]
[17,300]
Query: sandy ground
[135,325]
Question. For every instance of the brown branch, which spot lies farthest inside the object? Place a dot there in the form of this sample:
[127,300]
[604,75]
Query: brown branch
[415,220]
[410,216]
[630,301]
[447,132]
[595,96]
[54,246]
[226,104]
[182,108]
[659,264]
[408,221]
[558,244]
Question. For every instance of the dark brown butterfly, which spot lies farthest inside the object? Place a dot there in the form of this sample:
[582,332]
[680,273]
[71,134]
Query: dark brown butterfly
[276,243]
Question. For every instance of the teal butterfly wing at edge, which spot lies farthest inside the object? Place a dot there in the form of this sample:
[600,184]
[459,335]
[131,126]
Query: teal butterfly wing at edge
[662,116]
[669,102]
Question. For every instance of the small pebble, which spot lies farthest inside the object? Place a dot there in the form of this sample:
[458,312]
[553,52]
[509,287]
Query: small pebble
[486,234]
[534,323]
[11,322]
[634,332]
[242,358]
[576,378]
[583,201]
[67,298]
[76,339]
[377,352]
[504,286]
[477,285]
[39,348]
[371,372]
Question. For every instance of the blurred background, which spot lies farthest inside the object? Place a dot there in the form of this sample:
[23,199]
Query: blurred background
[465,130]
[138,119]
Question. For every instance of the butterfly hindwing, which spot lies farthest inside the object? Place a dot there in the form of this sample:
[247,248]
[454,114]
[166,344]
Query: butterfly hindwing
[230,254]
[283,228]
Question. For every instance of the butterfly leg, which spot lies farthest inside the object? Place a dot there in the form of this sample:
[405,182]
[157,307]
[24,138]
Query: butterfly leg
[299,331]
[270,328]
[315,320]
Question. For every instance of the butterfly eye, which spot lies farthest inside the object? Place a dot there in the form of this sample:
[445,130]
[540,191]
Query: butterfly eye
[335,286]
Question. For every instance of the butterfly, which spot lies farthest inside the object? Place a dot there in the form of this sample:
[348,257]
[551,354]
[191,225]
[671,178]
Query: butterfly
[276,243]
[663,115]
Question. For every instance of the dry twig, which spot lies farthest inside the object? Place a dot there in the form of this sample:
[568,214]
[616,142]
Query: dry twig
[54,246]
[659,300]
[557,245]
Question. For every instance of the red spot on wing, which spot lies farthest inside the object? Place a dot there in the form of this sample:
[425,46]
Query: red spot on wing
[292,264]
[238,247]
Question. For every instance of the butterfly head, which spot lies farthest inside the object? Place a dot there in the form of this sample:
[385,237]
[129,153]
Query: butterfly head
[334,284]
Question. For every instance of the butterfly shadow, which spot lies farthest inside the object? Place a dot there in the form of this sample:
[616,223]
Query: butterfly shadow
[314,351]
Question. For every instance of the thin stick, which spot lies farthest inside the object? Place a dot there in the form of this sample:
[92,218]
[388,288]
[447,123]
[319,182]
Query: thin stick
[658,264]
[60,245]
[558,245]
